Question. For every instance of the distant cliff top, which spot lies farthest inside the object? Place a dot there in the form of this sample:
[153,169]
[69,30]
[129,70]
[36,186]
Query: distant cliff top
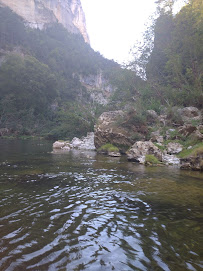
[39,13]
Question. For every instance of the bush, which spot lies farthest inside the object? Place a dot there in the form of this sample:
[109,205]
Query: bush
[196,150]
[108,148]
[149,158]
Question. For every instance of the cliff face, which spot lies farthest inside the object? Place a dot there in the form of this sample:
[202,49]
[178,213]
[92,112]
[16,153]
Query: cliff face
[39,13]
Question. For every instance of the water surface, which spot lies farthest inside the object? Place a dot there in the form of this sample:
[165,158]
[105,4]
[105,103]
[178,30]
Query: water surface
[80,211]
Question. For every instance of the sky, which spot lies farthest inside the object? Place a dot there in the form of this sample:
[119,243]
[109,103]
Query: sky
[115,25]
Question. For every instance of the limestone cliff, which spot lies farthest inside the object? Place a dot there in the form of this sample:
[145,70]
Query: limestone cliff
[39,13]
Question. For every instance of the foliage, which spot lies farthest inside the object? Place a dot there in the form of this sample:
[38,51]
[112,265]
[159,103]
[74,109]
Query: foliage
[150,158]
[108,148]
[27,88]
[171,56]
[45,95]
[195,150]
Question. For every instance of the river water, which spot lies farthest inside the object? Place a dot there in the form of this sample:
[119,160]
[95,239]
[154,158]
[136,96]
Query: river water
[81,211]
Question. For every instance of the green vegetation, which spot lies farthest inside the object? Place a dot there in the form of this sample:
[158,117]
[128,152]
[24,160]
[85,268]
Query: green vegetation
[40,88]
[171,57]
[41,93]
[195,150]
[151,159]
[108,148]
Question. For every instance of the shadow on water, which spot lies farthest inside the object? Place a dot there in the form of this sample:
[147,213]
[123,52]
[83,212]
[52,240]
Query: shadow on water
[81,211]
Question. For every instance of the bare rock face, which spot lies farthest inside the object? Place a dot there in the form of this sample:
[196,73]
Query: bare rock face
[107,131]
[138,151]
[98,87]
[40,13]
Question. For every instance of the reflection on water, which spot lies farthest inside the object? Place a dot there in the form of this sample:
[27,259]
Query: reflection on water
[81,211]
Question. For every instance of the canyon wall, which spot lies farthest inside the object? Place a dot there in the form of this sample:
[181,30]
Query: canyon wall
[40,13]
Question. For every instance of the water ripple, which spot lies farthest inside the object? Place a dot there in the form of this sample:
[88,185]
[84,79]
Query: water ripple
[95,219]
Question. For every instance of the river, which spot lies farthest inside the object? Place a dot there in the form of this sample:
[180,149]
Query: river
[81,211]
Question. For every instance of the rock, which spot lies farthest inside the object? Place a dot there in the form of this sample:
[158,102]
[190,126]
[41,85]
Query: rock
[156,137]
[59,144]
[66,148]
[162,119]
[39,14]
[4,131]
[98,87]
[85,143]
[170,159]
[114,154]
[152,116]
[174,148]
[190,113]
[197,135]
[187,129]
[76,143]
[193,162]
[138,151]
[108,130]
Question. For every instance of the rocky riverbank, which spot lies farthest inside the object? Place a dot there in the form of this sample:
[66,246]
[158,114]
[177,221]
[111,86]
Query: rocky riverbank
[161,139]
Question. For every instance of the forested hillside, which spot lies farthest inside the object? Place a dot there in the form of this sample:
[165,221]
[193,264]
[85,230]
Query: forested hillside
[172,56]
[43,74]
[40,87]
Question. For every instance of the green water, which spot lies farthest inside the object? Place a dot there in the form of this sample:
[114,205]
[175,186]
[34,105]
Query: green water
[80,211]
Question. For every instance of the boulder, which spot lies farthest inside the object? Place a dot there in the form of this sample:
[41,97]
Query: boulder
[197,135]
[85,143]
[76,143]
[170,159]
[59,144]
[114,154]
[190,113]
[4,131]
[174,148]
[187,129]
[162,119]
[193,162]
[108,130]
[138,151]
[156,137]
[152,116]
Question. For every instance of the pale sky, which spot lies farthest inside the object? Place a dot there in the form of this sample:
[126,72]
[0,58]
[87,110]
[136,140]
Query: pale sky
[115,25]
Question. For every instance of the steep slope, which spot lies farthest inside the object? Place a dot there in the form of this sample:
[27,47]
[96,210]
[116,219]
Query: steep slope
[52,83]
[40,13]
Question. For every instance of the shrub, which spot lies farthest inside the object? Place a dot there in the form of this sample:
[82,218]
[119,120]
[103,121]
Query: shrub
[194,151]
[149,158]
[108,148]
